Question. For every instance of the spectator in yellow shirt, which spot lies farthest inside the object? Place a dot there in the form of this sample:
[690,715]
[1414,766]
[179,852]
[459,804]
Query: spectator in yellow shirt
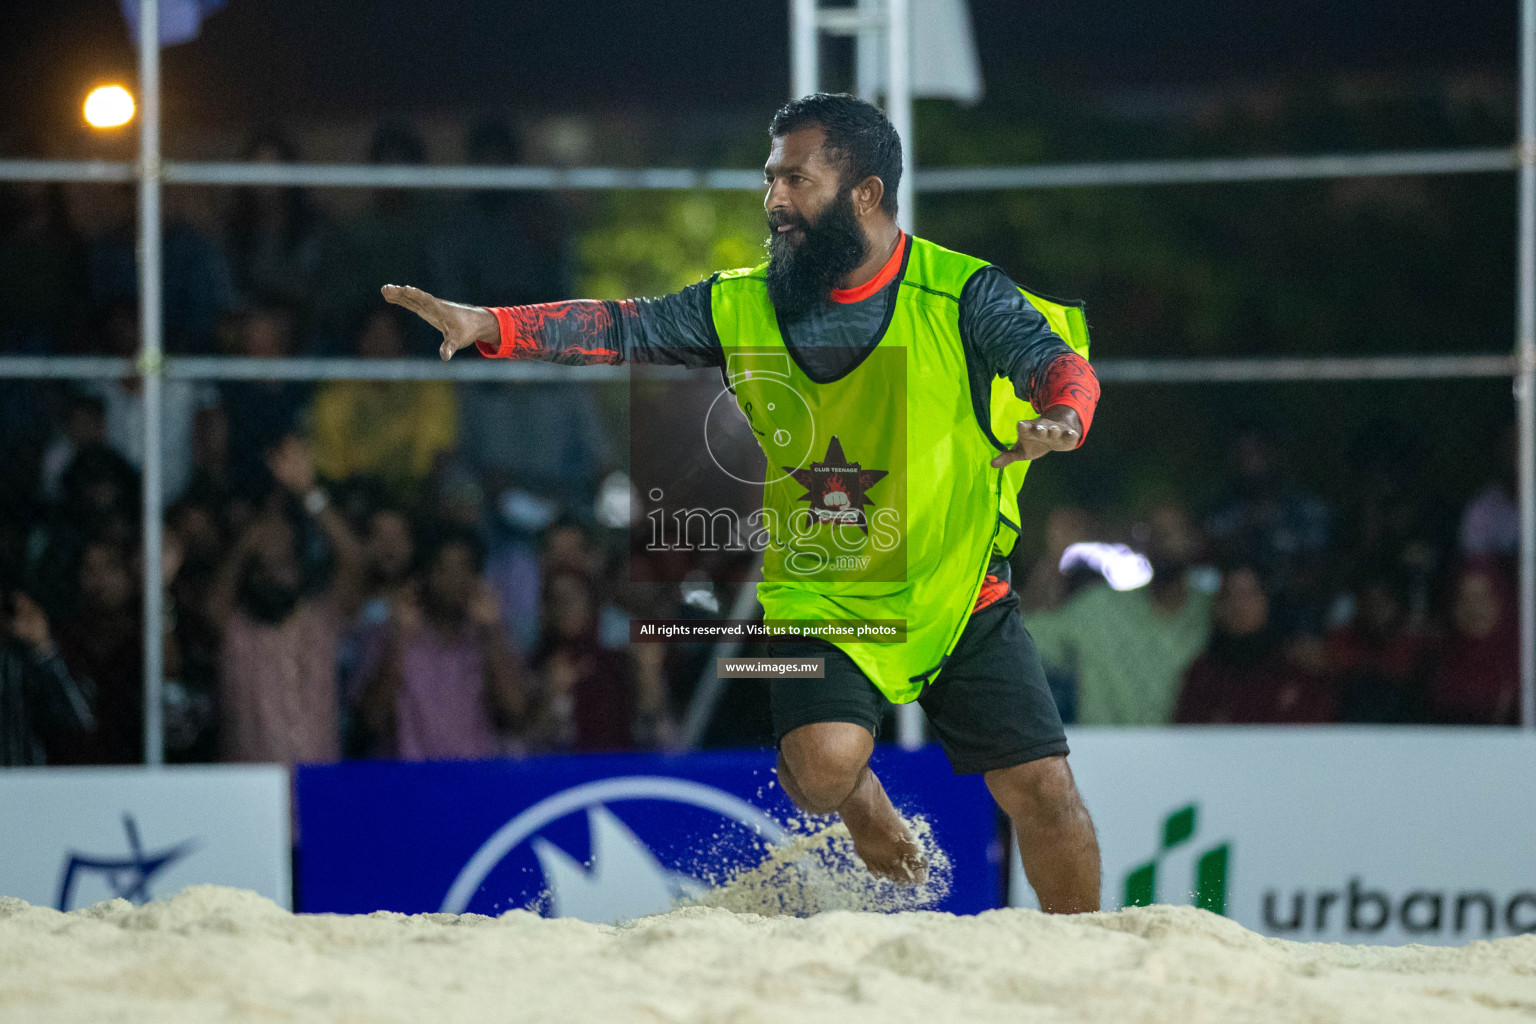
[391,430]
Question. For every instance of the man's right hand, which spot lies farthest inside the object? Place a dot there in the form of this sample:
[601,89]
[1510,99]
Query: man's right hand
[461,325]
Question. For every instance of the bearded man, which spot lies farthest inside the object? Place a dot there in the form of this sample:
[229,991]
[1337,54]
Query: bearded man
[918,373]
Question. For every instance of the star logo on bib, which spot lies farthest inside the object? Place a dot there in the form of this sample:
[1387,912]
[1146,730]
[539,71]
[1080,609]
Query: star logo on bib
[837,488]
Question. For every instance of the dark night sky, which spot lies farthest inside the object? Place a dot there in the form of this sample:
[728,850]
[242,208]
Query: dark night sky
[270,57]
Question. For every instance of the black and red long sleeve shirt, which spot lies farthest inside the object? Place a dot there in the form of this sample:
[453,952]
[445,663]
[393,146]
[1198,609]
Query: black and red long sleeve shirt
[1002,333]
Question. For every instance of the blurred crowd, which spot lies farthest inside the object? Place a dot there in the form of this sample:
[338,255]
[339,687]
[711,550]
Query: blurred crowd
[1273,605]
[418,570]
[350,568]
[321,619]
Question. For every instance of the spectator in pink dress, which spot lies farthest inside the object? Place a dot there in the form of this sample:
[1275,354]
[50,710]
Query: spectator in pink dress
[446,686]
[277,679]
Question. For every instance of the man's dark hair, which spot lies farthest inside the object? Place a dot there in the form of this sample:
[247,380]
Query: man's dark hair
[861,136]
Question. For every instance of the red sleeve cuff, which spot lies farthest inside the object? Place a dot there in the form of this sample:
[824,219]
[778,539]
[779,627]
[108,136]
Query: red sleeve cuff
[1071,382]
[506,332]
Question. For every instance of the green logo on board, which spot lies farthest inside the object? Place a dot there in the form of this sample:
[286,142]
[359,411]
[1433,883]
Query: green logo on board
[1210,888]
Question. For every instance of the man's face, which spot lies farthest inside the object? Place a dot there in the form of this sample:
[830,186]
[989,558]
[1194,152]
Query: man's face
[105,582]
[1172,542]
[814,235]
[1242,608]
[450,582]
[268,334]
[390,545]
[801,181]
[199,532]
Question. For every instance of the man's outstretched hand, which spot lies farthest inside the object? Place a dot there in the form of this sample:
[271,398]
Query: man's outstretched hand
[1058,430]
[461,325]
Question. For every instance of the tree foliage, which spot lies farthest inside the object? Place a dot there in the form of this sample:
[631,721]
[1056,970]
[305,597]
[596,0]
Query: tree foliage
[651,243]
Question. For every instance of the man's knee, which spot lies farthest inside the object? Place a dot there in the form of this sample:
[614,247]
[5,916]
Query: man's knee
[1038,794]
[822,763]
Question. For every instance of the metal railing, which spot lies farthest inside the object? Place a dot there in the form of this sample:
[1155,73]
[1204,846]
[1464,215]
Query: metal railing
[925,180]
[151,175]
[1252,370]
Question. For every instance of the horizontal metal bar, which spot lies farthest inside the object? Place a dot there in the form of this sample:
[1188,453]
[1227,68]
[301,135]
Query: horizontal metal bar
[1314,368]
[461,369]
[234,368]
[847,21]
[369,176]
[1175,172]
[377,176]
[938,179]
[64,367]
[67,170]
[1118,371]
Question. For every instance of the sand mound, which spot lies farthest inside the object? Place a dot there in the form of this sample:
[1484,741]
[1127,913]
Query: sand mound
[212,954]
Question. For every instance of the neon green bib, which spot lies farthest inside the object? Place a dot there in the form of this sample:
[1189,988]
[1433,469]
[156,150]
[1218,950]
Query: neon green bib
[879,501]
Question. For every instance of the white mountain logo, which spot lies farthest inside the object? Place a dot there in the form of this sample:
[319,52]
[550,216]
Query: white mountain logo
[623,879]
[626,880]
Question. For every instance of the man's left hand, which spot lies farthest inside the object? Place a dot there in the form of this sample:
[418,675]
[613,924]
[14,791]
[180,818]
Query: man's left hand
[1058,430]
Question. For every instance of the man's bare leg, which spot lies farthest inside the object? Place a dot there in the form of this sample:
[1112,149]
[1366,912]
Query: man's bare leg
[1056,839]
[824,767]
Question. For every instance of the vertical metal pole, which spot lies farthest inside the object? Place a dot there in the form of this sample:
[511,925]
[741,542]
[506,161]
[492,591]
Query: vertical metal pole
[898,97]
[1525,356]
[898,107]
[804,48]
[149,369]
[868,54]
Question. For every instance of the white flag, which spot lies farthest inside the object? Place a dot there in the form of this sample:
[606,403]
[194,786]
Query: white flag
[944,62]
[180,20]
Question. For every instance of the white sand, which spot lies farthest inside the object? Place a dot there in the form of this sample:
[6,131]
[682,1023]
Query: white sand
[213,954]
[817,871]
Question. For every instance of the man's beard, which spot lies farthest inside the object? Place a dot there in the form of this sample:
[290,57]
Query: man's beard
[802,274]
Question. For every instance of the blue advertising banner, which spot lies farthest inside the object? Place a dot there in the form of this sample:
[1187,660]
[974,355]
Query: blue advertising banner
[608,837]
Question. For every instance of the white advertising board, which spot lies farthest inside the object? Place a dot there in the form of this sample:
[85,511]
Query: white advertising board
[71,837]
[1335,834]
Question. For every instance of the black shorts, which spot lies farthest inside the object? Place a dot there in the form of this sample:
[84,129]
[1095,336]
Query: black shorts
[990,707]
